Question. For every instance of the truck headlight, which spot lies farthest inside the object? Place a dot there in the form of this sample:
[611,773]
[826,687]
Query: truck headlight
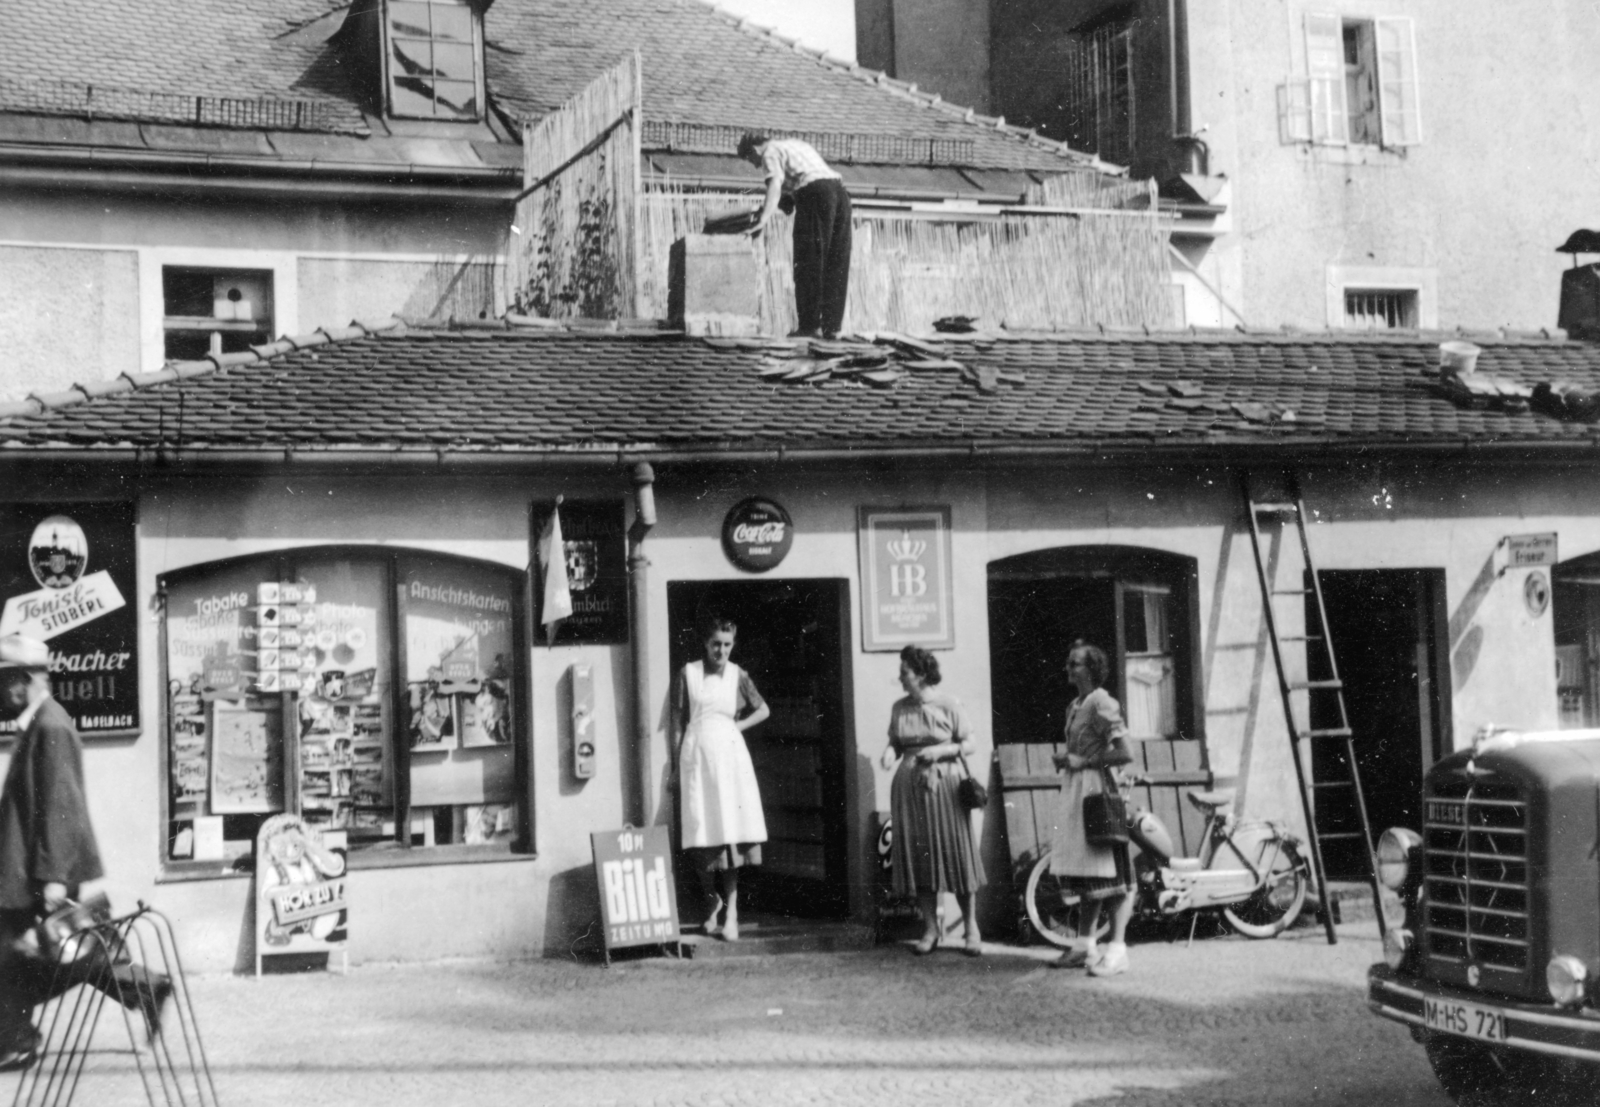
[1565,977]
[1396,945]
[1394,856]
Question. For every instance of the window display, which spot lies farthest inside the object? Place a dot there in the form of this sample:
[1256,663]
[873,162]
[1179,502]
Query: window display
[284,697]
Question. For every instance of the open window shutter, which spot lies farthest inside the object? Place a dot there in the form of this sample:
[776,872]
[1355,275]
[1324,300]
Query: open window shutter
[1294,112]
[1325,71]
[1397,82]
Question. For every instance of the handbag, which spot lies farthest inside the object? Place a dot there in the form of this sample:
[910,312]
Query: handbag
[972,795]
[1105,815]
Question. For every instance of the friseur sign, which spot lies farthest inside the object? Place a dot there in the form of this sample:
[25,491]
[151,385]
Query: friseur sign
[68,577]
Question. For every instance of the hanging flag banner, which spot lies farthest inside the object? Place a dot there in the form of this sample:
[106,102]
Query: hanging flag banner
[557,594]
[907,593]
[594,551]
[67,573]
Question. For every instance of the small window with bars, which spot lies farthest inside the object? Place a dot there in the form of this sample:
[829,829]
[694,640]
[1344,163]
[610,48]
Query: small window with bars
[433,59]
[1380,309]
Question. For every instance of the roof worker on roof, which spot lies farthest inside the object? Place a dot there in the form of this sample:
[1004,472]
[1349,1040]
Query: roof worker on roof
[797,176]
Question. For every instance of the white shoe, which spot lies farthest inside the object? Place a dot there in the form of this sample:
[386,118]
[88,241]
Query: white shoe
[1113,961]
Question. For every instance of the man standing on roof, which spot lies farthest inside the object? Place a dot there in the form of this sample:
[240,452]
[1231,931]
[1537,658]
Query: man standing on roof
[796,173]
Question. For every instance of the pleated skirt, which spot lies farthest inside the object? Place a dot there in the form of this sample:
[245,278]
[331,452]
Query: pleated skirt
[933,848]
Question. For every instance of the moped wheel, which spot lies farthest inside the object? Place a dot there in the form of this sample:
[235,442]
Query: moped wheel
[1053,912]
[1277,903]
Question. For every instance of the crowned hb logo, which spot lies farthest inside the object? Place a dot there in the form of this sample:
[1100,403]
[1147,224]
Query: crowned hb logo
[907,576]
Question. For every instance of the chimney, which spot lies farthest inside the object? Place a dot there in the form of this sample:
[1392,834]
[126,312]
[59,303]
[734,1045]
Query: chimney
[714,285]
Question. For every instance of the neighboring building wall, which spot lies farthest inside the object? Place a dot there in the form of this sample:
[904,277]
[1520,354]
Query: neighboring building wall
[1510,145]
[80,273]
[1467,219]
[940,45]
[67,315]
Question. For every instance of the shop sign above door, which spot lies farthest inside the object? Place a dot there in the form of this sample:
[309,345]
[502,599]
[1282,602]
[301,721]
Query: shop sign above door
[67,578]
[907,593]
[757,534]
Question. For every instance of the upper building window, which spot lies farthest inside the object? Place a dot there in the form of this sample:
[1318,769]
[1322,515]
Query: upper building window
[1100,92]
[433,60]
[214,311]
[1360,87]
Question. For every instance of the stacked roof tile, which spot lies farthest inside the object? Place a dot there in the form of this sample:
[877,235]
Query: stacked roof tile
[525,392]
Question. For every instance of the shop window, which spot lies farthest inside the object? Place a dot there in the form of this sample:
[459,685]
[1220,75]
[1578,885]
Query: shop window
[372,692]
[432,60]
[214,311]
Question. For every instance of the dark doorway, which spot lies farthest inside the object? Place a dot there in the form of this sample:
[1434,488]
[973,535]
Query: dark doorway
[1137,605]
[791,642]
[1386,626]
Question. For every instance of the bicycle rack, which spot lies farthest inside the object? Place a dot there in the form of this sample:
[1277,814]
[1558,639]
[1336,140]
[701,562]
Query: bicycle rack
[172,1068]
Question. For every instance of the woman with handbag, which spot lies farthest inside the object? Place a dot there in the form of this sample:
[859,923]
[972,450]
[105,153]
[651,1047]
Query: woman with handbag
[933,850]
[1089,851]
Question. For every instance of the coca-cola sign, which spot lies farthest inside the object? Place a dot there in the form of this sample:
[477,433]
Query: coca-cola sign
[757,534]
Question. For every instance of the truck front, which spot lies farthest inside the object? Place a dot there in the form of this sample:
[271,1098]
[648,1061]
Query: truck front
[1496,968]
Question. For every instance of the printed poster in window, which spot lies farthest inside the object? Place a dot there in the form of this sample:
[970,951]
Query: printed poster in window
[594,541]
[247,757]
[458,641]
[342,710]
[907,592]
[67,578]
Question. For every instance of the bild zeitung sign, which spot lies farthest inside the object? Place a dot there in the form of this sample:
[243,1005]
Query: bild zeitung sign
[67,577]
[757,534]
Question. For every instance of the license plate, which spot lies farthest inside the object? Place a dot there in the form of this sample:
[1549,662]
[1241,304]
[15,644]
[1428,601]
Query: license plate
[1466,1019]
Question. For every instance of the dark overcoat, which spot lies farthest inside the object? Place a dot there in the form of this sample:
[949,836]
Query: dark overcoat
[45,834]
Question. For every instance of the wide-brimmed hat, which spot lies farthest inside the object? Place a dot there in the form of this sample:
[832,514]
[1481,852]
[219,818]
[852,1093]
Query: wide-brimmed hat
[18,651]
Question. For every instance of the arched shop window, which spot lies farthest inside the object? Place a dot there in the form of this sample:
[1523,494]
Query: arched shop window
[1138,605]
[376,692]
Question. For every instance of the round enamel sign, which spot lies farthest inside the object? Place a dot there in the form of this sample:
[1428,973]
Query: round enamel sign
[757,534]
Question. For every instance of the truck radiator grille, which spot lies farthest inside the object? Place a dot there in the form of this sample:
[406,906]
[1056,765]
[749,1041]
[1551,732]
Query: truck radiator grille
[1476,872]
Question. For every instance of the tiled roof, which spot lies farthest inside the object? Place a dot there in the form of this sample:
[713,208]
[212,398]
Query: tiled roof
[527,392]
[270,65]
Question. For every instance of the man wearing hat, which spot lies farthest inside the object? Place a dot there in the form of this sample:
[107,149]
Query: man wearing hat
[47,850]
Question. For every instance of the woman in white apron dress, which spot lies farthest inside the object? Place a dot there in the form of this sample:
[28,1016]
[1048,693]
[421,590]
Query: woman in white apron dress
[1096,743]
[714,702]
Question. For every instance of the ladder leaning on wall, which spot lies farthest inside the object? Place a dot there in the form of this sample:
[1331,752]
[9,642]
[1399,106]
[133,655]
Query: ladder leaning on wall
[1318,798]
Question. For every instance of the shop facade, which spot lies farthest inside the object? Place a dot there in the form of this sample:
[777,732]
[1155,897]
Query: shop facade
[417,704]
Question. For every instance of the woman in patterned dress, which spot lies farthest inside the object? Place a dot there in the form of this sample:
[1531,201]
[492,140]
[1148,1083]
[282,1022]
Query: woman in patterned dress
[713,703]
[932,850]
[1096,742]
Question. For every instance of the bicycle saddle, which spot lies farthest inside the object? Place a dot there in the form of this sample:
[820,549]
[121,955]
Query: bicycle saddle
[1219,798]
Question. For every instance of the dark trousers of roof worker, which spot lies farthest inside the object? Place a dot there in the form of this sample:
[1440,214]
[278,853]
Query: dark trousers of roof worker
[821,256]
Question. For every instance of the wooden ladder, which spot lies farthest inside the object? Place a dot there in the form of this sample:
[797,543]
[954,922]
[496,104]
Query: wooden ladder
[1317,798]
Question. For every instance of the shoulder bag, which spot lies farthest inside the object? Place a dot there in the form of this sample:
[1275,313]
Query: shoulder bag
[973,796]
[1105,815]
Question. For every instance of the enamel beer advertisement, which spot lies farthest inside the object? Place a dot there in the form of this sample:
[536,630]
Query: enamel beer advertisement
[67,577]
[906,587]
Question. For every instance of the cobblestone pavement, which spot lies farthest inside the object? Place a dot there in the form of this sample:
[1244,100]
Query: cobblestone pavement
[1227,1021]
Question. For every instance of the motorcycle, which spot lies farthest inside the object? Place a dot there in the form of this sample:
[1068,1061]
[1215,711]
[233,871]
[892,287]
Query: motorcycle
[1252,870]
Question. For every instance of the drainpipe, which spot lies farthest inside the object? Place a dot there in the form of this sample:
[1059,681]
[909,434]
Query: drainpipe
[644,517]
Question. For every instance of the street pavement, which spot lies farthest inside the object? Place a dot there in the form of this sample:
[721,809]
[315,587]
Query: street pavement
[1226,1021]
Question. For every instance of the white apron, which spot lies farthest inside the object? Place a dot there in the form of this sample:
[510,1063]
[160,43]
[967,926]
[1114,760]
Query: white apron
[717,783]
